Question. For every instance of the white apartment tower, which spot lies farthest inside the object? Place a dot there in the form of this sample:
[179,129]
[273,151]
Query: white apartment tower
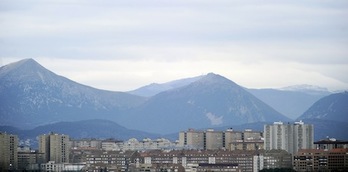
[289,137]
[55,147]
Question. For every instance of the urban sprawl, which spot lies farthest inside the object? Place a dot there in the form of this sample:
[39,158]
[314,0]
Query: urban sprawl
[287,146]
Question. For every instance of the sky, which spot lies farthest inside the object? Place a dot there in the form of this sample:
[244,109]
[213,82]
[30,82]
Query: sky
[122,45]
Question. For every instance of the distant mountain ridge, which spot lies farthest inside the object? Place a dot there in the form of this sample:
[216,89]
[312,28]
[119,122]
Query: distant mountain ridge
[155,88]
[333,107]
[283,99]
[31,95]
[292,102]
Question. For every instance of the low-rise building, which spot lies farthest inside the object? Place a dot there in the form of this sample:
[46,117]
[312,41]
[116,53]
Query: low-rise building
[321,160]
[248,161]
[116,160]
[27,157]
[218,167]
[51,166]
[330,143]
[86,143]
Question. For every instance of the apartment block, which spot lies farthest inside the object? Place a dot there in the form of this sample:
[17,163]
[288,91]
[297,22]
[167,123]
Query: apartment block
[26,158]
[246,161]
[111,160]
[321,160]
[8,151]
[56,147]
[86,144]
[213,140]
[289,137]
[330,143]
[192,139]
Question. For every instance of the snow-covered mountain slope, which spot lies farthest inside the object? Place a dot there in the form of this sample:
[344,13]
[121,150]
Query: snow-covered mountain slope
[31,95]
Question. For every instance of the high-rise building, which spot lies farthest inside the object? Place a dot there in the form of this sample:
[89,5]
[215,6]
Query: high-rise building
[8,151]
[289,137]
[55,147]
[213,140]
[192,139]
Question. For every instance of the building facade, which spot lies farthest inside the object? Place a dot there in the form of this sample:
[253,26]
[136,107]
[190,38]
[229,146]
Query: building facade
[214,140]
[8,151]
[25,158]
[289,137]
[56,147]
[321,160]
[246,161]
[330,143]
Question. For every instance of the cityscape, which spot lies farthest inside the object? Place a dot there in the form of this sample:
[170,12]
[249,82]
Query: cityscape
[282,146]
[173,86]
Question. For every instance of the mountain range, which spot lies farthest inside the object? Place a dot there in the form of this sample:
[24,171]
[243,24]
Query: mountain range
[282,99]
[32,96]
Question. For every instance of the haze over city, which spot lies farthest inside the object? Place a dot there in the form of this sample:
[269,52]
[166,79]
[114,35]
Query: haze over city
[123,45]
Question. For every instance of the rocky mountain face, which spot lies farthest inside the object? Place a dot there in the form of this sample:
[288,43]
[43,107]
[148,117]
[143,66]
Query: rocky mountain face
[208,102]
[31,95]
[333,107]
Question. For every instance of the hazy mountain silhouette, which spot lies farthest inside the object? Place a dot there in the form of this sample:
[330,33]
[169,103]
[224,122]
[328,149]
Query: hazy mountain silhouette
[210,101]
[31,95]
[290,102]
[155,88]
[333,107]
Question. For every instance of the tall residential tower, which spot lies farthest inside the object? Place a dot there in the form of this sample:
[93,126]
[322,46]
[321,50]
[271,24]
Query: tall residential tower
[289,137]
[55,147]
[8,151]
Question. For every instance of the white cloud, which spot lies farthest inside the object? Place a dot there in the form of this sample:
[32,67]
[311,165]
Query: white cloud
[122,45]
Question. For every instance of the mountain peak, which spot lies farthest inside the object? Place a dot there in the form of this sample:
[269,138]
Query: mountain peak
[215,79]
[25,70]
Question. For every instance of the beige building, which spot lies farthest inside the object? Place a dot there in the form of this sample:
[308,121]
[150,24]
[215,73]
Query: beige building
[250,145]
[8,151]
[213,140]
[191,139]
[55,147]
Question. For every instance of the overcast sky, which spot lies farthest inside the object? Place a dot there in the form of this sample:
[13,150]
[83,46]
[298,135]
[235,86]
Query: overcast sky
[122,45]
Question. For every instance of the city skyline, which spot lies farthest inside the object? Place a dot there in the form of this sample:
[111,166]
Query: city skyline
[121,46]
